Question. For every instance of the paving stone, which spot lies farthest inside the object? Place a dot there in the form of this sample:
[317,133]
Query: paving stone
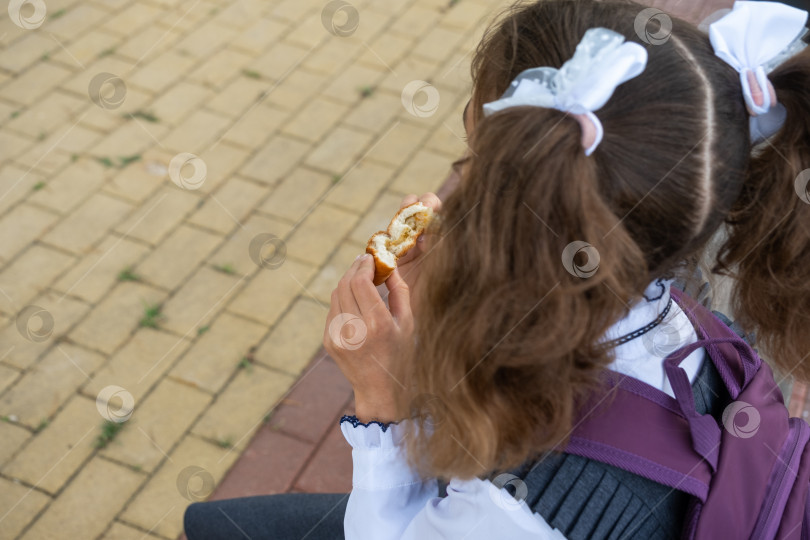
[359,188]
[465,17]
[347,84]
[161,213]
[387,50]
[148,43]
[297,193]
[139,364]
[398,143]
[296,338]
[438,43]
[157,423]
[196,132]
[224,210]
[375,113]
[88,223]
[330,469]
[23,352]
[19,505]
[161,72]
[25,51]
[257,37]
[275,159]
[120,531]
[87,48]
[425,172]
[48,384]
[199,300]
[448,137]
[315,119]
[318,234]
[296,89]
[58,451]
[114,64]
[220,68]
[140,179]
[56,150]
[130,139]
[378,218]
[12,437]
[255,126]
[29,87]
[76,19]
[17,182]
[100,267]
[238,96]
[12,145]
[268,466]
[282,284]
[21,226]
[178,101]
[72,186]
[333,57]
[88,504]
[221,161]
[109,120]
[327,279]
[338,152]
[177,256]
[238,413]
[206,38]
[278,60]
[218,352]
[114,319]
[21,280]
[160,506]
[133,18]
[235,252]
[242,14]
[46,115]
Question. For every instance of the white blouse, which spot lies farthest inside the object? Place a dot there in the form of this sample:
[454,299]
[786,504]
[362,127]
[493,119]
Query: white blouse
[389,501]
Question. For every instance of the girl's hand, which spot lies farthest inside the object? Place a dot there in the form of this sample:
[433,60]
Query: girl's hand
[363,337]
[408,265]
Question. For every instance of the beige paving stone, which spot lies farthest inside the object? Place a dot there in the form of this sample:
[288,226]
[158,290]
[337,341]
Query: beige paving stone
[178,101]
[54,152]
[20,226]
[23,352]
[140,179]
[23,278]
[131,138]
[88,223]
[221,161]
[138,364]
[20,505]
[199,300]
[217,353]
[255,126]
[119,531]
[48,384]
[133,18]
[241,14]
[87,48]
[220,67]
[8,376]
[291,10]
[17,183]
[438,43]
[238,412]
[398,143]
[12,438]
[113,320]
[11,145]
[227,208]
[235,252]
[258,36]
[296,89]
[375,112]
[278,60]
[113,64]
[77,18]
[297,193]
[467,16]
[319,233]
[89,503]
[308,33]
[315,119]
[161,213]
[206,38]
[447,138]
[425,172]
[58,451]
[387,50]
[161,72]
[346,85]
[414,21]
[148,43]
[47,114]
[410,69]
[238,96]
[455,72]
[333,57]
[25,51]
[159,506]
[377,218]
[275,159]
[177,257]
[282,284]
[360,187]
[340,150]
[109,120]
[73,185]
[157,423]
[98,270]
[296,338]
[197,131]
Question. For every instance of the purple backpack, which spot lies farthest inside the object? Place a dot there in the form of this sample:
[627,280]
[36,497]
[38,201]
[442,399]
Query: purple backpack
[749,475]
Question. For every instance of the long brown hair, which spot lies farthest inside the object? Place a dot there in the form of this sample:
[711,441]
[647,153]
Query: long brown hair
[507,328]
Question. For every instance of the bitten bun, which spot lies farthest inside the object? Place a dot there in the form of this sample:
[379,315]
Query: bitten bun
[387,246]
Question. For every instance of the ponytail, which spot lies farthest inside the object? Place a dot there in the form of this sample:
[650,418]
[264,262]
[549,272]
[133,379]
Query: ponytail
[768,248]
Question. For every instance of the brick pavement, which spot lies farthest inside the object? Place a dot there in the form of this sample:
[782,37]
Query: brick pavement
[152,154]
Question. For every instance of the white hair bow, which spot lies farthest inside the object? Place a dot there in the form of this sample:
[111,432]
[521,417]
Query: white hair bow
[754,38]
[602,61]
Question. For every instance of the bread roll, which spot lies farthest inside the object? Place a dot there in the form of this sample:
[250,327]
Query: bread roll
[387,246]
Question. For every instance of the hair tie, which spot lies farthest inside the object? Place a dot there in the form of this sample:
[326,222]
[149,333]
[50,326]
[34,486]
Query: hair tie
[754,38]
[602,61]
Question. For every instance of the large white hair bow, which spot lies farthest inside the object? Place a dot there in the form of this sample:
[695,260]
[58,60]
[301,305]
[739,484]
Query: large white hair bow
[602,61]
[754,38]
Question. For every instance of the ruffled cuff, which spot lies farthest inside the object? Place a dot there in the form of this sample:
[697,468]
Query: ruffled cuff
[379,458]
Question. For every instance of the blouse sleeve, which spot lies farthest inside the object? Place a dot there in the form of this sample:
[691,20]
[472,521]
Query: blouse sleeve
[390,501]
